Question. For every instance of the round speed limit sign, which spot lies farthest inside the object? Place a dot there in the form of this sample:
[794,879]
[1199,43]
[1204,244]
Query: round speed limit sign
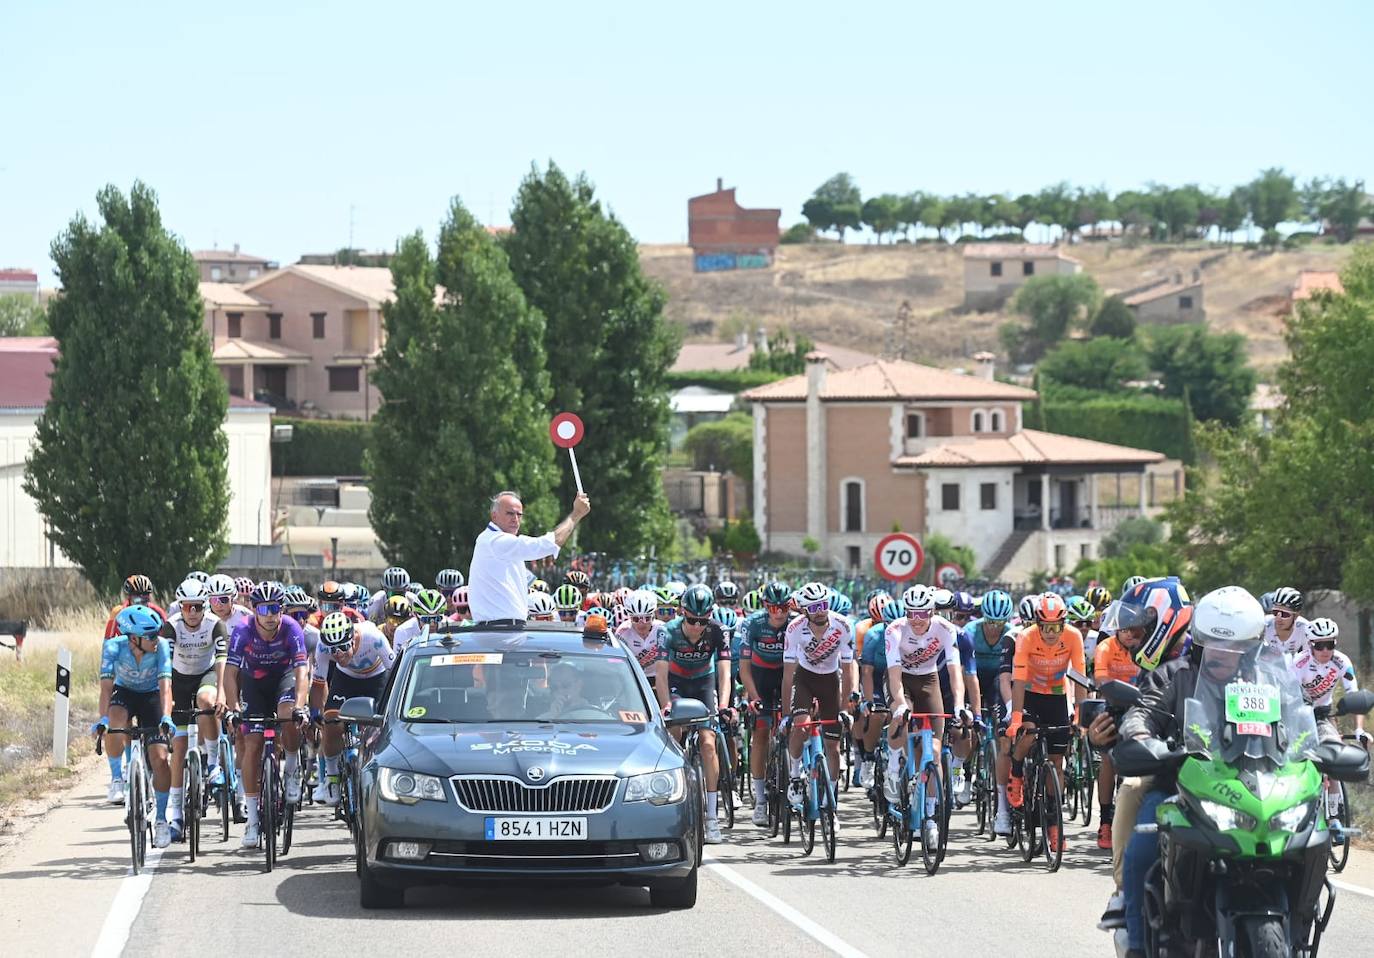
[898,557]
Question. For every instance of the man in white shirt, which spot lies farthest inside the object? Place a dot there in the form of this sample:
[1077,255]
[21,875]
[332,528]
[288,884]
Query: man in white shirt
[498,581]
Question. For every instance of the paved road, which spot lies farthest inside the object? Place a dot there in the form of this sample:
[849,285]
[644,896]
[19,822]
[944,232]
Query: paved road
[64,890]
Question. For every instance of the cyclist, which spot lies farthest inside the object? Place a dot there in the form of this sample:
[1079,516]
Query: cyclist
[1083,616]
[993,646]
[352,659]
[752,602]
[818,666]
[1285,627]
[333,598]
[692,645]
[873,678]
[961,738]
[1319,669]
[915,644]
[269,673]
[301,607]
[220,591]
[667,604]
[397,611]
[567,599]
[449,581]
[136,683]
[541,607]
[1044,653]
[199,644]
[1114,659]
[578,579]
[429,607]
[761,644]
[394,582]
[138,590]
[727,594]
[642,633]
[243,591]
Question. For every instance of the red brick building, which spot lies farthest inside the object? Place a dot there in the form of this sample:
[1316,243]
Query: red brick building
[724,235]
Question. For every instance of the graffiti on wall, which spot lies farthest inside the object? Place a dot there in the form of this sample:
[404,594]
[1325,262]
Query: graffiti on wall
[721,262]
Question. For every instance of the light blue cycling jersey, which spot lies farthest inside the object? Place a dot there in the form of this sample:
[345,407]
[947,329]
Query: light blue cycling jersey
[137,675]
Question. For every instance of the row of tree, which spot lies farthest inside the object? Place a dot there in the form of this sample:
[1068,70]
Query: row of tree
[1159,212]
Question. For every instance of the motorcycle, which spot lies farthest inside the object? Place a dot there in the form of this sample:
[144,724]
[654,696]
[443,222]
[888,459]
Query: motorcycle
[1243,845]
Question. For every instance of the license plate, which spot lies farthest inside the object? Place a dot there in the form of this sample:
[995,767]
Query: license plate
[536,829]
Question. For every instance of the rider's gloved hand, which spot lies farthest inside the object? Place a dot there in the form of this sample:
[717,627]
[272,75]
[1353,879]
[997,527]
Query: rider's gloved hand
[300,715]
[1014,726]
[1363,737]
[100,726]
[855,698]
[964,716]
[167,725]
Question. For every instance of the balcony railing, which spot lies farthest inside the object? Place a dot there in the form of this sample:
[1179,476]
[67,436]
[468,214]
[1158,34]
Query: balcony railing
[1108,517]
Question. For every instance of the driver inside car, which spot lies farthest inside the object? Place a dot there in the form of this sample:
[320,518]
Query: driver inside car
[566,692]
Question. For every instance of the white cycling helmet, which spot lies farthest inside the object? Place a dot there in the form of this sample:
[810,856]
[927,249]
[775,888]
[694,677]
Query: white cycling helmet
[192,590]
[642,602]
[919,598]
[676,588]
[1025,609]
[1322,630]
[222,586]
[540,607]
[1289,598]
[812,594]
[395,579]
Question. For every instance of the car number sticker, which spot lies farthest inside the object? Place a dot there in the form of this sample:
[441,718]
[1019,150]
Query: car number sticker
[1249,703]
[417,711]
[633,717]
[469,658]
[535,829]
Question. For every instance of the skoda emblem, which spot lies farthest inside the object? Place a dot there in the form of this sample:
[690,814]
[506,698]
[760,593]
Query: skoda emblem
[536,774]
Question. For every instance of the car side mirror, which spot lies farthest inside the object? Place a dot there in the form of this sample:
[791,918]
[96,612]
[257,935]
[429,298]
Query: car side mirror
[1355,703]
[1345,763]
[361,710]
[686,712]
[1119,695]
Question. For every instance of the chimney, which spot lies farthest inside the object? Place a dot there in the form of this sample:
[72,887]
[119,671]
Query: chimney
[986,365]
[720,184]
[236,249]
[761,340]
[815,446]
[815,373]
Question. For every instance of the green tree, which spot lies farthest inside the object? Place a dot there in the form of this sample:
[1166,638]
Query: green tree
[129,469]
[1113,318]
[1129,533]
[608,351]
[1177,208]
[727,444]
[836,205]
[1233,213]
[1273,198]
[1052,305]
[783,356]
[466,412]
[1342,205]
[1099,364]
[1055,206]
[881,214]
[1211,367]
[940,549]
[798,233]
[21,316]
[1136,211]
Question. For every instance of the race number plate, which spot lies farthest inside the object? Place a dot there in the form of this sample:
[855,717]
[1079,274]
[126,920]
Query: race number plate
[1250,704]
[536,829]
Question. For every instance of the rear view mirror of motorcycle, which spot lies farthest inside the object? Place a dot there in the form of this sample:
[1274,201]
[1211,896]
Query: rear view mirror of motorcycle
[1143,756]
[1344,763]
[1356,703]
[1079,679]
[1119,695]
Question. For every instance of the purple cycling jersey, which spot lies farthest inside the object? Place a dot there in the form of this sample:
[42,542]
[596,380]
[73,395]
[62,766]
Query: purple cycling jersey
[259,657]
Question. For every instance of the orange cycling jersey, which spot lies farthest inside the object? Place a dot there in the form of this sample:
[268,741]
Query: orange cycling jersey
[1112,661]
[111,631]
[1041,661]
[860,630]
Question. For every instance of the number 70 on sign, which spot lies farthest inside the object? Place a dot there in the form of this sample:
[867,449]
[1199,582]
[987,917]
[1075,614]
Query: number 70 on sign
[898,557]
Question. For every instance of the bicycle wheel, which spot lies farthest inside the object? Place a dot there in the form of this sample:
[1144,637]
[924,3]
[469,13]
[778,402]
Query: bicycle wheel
[901,818]
[288,825]
[267,810]
[134,816]
[806,821]
[933,854]
[190,805]
[1073,771]
[846,760]
[879,798]
[1338,824]
[945,805]
[1026,836]
[1088,785]
[1051,810]
[827,810]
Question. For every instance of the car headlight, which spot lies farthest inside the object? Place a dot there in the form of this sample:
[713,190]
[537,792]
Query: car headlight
[1292,819]
[401,785]
[657,788]
[1227,818]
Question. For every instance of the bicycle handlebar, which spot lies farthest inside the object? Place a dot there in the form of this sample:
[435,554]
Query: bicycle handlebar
[137,731]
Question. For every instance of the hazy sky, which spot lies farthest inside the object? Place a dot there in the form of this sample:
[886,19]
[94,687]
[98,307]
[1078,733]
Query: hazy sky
[263,123]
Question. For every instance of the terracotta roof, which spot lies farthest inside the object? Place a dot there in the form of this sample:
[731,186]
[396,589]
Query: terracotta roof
[888,379]
[1014,251]
[226,256]
[700,357]
[24,382]
[238,402]
[1312,280]
[26,344]
[1161,291]
[371,284]
[229,296]
[1028,447]
[233,352]
[18,276]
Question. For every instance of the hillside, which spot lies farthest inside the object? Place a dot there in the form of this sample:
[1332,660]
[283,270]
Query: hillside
[848,294]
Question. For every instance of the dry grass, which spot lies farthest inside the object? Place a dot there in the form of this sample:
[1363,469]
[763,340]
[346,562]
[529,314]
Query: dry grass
[47,597]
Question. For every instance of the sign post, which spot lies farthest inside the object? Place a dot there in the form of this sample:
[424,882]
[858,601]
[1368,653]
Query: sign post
[898,557]
[61,705]
[566,432]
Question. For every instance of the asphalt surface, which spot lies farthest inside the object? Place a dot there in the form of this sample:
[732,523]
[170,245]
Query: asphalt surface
[65,890]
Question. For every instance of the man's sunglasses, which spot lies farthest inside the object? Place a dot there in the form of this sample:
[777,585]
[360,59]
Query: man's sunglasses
[1283,614]
[221,599]
[142,598]
[1051,628]
[961,616]
[1322,646]
[268,608]
[300,615]
[919,614]
[641,618]
[696,619]
[775,606]
[816,608]
[193,607]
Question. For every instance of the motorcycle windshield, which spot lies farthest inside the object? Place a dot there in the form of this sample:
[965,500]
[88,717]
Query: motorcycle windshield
[1247,707]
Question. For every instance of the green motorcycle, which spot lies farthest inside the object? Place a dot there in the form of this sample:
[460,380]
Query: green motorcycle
[1243,845]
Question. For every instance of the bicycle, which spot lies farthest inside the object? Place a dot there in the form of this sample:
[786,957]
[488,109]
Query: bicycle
[1042,807]
[916,780]
[1338,822]
[725,787]
[743,776]
[776,782]
[275,813]
[138,800]
[225,795]
[725,793]
[876,794]
[846,750]
[193,779]
[985,778]
[1080,777]
[818,795]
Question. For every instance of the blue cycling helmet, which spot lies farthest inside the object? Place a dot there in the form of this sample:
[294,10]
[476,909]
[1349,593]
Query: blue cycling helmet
[726,616]
[891,610]
[841,603]
[997,606]
[776,593]
[138,620]
[963,602]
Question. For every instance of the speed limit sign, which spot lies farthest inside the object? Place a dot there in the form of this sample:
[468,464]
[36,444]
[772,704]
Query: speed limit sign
[898,557]
[948,574]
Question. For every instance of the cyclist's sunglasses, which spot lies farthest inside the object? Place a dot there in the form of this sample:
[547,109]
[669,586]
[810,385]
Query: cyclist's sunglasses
[193,607]
[696,619]
[816,608]
[775,606]
[1322,646]
[221,599]
[1283,614]
[430,619]
[268,608]
[960,616]
[641,618]
[397,618]
[919,614]
[300,615]
[141,598]
[331,606]
[1050,628]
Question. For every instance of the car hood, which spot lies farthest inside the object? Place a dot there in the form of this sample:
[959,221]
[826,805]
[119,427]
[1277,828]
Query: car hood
[600,748]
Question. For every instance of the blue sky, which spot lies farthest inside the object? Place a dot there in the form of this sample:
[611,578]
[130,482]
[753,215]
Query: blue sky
[262,124]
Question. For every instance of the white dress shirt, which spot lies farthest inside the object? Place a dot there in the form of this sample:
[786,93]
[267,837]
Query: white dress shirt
[498,582]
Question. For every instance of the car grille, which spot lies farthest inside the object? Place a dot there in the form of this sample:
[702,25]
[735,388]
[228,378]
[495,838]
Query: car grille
[526,856]
[498,793]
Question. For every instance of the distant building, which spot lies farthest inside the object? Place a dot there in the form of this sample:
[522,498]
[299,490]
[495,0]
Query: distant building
[725,236]
[1313,280]
[1265,403]
[19,282]
[230,266]
[1167,301]
[993,272]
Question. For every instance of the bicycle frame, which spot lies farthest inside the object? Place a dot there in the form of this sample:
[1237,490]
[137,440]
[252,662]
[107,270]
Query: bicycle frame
[919,771]
[812,757]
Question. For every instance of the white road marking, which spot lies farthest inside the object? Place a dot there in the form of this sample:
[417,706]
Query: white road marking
[1346,886]
[128,901]
[825,937]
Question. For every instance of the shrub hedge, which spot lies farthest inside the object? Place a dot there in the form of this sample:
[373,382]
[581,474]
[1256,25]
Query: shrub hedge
[322,447]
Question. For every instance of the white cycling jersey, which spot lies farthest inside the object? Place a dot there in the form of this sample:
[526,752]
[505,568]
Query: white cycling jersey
[822,653]
[1318,679]
[920,654]
[372,657]
[1296,643]
[195,651]
[645,648]
[1090,639]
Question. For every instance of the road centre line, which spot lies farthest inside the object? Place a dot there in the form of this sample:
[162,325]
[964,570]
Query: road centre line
[784,910]
[128,901]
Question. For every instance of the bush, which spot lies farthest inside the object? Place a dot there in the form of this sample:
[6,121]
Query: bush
[323,447]
[1098,364]
[1129,533]
[798,233]
[939,550]
[727,444]
[729,380]
[1114,318]
[1147,560]
[740,537]
[1137,420]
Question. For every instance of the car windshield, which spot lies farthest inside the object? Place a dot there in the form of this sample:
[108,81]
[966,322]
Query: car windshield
[1247,708]
[522,686]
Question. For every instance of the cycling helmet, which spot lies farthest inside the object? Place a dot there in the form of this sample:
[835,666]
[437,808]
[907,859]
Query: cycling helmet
[540,607]
[220,586]
[963,602]
[1050,608]
[726,617]
[1288,597]
[449,579]
[362,597]
[677,588]
[296,598]
[1322,630]
[577,578]
[811,595]
[138,584]
[336,631]
[539,585]
[891,610]
[1081,610]
[398,607]
[944,600]
[727,593]
[268,592]
[350,594]
[776,593]
[919,598]
[1131,583]
[1228,615]
[138,620]
[1025,609]
[567,598]
[243,585]
[429,603]
[642,602]
[619,616]
[413,588]
[331,591]
[875,604]
[872,594]
[997,606]
[752,601]
[698,600]
[201,577]
[191,590]
[1163,609]
[395,579]
[1266,602]
[598,611]
[1100,596]
[459,599]
[601,599]
[841,603]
